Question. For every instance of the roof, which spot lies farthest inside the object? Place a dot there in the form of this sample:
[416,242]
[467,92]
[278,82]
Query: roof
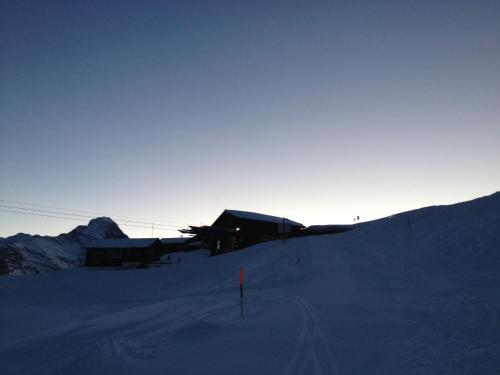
[174,240]
[261,217]
[208,229]
[120,243]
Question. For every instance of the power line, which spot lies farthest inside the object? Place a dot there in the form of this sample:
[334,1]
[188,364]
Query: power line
[80,220]
[33,214]
[157,222]
[84,216]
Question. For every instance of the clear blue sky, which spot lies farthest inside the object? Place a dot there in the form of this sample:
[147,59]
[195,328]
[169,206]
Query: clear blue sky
[315,110]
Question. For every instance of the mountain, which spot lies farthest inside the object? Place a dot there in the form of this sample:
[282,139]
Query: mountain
[415,293]
[26,254]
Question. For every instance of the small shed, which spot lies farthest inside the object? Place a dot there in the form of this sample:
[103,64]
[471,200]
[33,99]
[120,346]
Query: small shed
[118,252]
[194,245]
[172,245]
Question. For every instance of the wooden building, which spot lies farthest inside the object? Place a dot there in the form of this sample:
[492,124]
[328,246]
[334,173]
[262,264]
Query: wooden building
[235,229]
[122,252]
[194,244]
[172,245]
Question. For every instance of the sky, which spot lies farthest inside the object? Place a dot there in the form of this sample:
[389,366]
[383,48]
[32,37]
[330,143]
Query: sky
[172,111]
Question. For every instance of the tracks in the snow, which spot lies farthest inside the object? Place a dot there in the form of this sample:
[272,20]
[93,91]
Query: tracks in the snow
[312,354]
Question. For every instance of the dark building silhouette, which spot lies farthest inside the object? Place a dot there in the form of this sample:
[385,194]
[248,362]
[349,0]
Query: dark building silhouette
[234,230]
[172,245]
[120,252]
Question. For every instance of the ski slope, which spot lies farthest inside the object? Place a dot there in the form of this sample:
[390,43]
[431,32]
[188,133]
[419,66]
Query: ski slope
[416,293]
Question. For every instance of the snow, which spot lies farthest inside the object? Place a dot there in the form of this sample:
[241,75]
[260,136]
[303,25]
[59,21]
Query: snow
[25,254]
[102,227]
[185,256]
[262,217]
[416,293]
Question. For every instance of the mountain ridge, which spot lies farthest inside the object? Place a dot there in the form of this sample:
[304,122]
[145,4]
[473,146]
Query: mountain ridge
[30,254]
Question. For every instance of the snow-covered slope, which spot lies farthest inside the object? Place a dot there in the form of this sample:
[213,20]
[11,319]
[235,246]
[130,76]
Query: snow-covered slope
[24,254]
[417,293]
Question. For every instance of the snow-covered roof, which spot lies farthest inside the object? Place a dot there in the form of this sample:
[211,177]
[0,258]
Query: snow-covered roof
[120,243]
[174,240]
[261,217]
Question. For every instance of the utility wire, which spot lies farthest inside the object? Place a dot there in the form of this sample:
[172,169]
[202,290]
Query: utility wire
[92,212]
[85,216]
[81,220]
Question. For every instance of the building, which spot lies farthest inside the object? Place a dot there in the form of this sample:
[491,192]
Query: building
[172,245]
[122,252]
[234,230]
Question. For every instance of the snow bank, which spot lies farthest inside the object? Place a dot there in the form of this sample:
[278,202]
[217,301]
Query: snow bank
[416,293]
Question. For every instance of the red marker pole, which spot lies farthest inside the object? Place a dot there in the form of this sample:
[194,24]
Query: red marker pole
[241,290]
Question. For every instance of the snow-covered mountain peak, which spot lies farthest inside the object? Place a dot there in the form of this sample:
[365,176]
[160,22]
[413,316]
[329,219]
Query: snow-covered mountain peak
[101,227]
[24,253]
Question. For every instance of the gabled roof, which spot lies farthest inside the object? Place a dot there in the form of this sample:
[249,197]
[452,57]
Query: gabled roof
[120,243]
[261,217]
[174,240]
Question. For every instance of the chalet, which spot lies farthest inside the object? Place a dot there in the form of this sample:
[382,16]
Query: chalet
[123,251]
[234,230]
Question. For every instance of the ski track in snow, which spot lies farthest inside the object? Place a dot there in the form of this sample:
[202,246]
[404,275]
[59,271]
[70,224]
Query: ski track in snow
[140,339]
[386,305]
[312,354]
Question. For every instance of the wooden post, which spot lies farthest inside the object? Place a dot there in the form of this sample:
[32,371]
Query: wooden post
[283,230]
[409,227]
[241,291]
